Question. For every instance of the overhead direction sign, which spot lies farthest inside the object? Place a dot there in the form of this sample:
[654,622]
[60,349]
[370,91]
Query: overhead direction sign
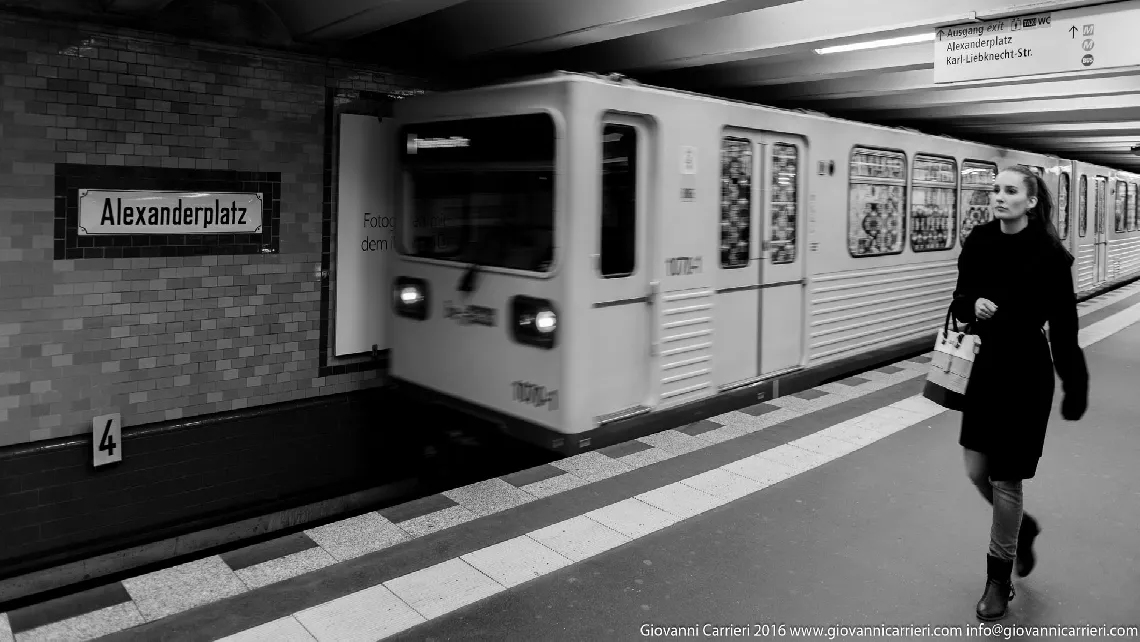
[1072,40]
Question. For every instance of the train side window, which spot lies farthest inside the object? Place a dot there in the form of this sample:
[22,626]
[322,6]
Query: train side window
[1083,206]
[934,207]
[735,202]
[977,185]
[1131,207]
[1121,204]
[1063,206]
[619,200]
[785,177]
[876,202]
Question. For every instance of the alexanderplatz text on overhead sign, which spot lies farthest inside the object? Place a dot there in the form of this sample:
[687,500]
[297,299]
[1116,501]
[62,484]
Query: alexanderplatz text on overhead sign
[1066,41]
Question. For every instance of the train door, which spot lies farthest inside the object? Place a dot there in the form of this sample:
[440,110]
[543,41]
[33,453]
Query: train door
[760,285]
[742,191]
[1064,220]
[1061,212]
[1100,212]
[782,286]
[1130,207]
[1085,244]
[1118,197]
[622,327]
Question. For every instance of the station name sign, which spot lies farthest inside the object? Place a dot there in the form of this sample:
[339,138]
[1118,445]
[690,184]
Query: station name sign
[1069,41]
[105,212]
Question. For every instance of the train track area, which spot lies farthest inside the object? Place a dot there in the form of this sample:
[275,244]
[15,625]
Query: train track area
[449,451]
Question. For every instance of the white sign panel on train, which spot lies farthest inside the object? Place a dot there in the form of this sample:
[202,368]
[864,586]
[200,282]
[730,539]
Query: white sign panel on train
[1074,40]
[139,212]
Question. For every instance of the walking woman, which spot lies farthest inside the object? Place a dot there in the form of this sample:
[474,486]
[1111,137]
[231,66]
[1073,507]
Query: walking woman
[1013,277]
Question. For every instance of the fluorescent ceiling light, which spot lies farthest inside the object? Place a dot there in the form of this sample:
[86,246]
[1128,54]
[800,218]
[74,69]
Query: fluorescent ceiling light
[890,42]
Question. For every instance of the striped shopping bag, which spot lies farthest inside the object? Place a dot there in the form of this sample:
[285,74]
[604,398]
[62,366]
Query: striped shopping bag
[954,353]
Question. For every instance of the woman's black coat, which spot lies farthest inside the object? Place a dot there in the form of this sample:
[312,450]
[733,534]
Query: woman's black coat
[1010,394]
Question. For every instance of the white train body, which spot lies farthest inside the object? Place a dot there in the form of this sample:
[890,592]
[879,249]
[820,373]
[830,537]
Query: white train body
[1103,231]
[764,251]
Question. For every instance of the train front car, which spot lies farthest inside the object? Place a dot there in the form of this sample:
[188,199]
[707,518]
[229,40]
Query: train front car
[477,295]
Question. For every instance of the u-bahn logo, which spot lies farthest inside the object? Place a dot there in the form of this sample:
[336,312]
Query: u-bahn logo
[469,314]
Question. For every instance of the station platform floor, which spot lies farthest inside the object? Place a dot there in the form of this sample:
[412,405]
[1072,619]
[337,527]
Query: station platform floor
[842,506]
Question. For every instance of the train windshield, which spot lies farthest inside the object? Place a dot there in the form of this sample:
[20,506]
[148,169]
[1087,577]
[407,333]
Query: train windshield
[481,191]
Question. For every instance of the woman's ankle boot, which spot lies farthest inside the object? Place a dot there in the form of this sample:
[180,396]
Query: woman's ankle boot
[999,589]
[1026,559]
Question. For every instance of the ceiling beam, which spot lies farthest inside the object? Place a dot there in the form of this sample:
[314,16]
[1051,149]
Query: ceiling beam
[540,26]
[1082,140]
[897,82]
[1068,148]
[344,19]
[1122,107]
[1126,162]
[1087,88]
[795,68]
[792,28]
[887,83]
[1112,160]
[135,6]
[1109,128]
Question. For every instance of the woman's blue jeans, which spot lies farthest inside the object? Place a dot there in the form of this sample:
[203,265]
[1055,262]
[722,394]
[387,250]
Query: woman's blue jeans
[1007,499]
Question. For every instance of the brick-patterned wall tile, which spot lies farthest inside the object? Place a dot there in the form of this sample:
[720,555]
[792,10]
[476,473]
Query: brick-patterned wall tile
[158,338]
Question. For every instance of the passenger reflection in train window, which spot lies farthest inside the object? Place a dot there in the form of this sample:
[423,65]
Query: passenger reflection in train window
[1013,277]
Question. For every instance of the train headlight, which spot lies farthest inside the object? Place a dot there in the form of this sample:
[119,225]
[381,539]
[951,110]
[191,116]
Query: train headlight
[535,322]
[545,321]
[410,295]
[410,298]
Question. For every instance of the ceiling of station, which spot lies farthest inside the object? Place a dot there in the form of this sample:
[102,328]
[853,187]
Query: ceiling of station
[764,51]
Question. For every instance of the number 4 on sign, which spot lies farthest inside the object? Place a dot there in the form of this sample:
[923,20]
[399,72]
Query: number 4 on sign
[106,431]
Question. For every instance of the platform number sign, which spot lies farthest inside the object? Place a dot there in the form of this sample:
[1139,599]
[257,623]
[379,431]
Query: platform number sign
[108,439]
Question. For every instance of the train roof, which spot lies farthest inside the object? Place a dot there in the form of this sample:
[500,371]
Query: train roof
[621,79]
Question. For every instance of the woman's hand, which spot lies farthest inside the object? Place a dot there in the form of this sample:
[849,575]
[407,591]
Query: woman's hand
[984,309]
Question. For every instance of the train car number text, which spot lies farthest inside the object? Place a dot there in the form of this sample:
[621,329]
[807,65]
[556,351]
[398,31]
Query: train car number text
[534,395]
[683,265]
[469,315]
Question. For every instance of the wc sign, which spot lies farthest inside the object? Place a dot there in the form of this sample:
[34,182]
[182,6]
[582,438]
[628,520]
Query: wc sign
[1031,22]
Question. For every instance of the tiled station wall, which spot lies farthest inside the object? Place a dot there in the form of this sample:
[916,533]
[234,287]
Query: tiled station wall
[160,329]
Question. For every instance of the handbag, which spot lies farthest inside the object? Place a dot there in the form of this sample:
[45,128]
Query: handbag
[950,367]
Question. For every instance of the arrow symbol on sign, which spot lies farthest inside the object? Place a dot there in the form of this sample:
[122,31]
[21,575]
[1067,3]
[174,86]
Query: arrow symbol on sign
[940,32]
[1073,31]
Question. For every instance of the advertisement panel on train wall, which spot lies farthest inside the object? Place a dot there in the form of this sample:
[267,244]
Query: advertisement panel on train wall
[365,236]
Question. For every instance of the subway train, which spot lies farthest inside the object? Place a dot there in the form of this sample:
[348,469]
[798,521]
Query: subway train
[584,259]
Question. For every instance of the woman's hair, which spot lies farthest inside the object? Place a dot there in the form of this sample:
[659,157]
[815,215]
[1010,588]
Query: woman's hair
[1040,214]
